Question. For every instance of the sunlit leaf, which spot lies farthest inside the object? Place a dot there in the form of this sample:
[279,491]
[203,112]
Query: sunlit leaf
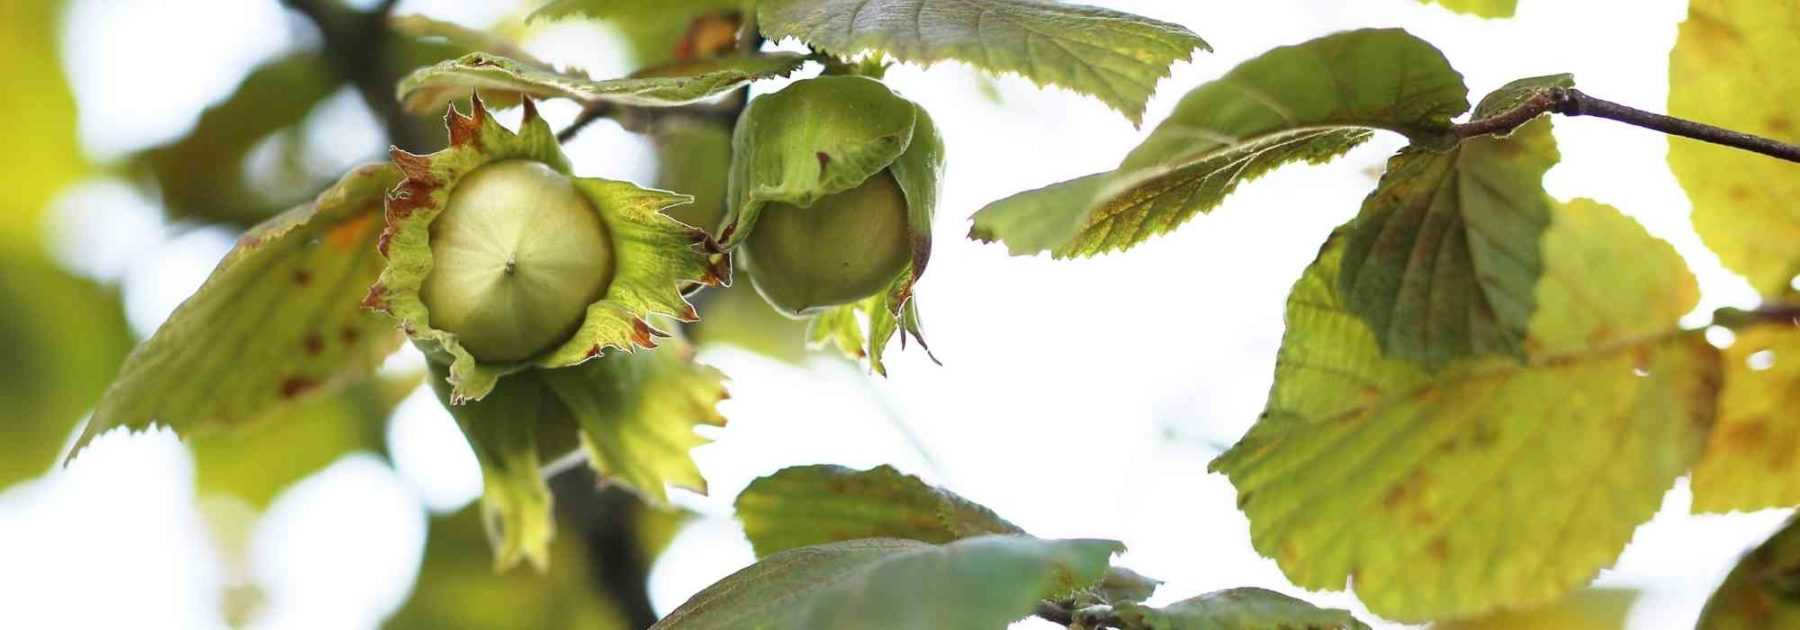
[1443,260]
[1590,609]
[810,505]
[1113,56]
[1492,483]
[1309,102]
[430,88]
[63,338]
[658,32]
[1236,609]
[279,320]
[895,584]
[458,588]
[1750,461]
[40,111]
[1728,69]
[1482,8]
[1763,591]
[503,429]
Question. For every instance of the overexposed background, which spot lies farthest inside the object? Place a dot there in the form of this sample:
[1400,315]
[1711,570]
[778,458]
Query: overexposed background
[1077,398]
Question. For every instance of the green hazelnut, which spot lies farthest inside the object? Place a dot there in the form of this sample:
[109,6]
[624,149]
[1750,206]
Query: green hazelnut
[518,255]
[843,248]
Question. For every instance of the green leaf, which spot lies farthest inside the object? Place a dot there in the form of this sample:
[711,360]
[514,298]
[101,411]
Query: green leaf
[279,320]
[1113,56]
[693,157]
[1492,482]
[1588,609]
[1722,73]
[41,118]
[810,505]
[1761,591]
[260,461]
[637,412]
[458,588]
[430,89]
[1750,459]
[503,429]
[658,32]
[64,337]
[1309,102]
[1443,259]
[1481,8]
[1236,609]
[895,584]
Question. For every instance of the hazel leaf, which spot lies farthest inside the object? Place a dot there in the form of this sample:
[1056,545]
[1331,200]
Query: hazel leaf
[503,429]
[810,505]
[658,32]
[1244,608]
[1309,102]
[1113,56]
[1493,482]
[1750,460]
[1588,609]
[276,322]
[1759,592]
[896,584]
[429,89]
[1745,205]
[1479,8]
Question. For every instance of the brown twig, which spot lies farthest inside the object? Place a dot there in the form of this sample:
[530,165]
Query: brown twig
[1573,102]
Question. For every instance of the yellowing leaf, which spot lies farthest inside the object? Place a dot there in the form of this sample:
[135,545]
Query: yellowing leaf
[1443,259]
[1750,460]
[1113,56]
[1590,609]
[1237,609]
[810,505]
[1730,68]
[894,584]
[1492,483]
[279,320]
[40,112]
[1481,8]
[1310,102]
[1759,593]
[429,89]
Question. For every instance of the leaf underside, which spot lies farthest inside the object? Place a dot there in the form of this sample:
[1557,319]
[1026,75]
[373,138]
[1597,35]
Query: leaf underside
[810,505]
[430,89]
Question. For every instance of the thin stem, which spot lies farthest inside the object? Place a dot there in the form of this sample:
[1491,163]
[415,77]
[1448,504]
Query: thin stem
[1573,102]
[587,116]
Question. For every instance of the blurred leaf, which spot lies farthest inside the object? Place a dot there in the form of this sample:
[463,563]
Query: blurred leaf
[658,32]
[1493,482]
[459,590]
[429,89]
[502,429]
[1444,257]
[40,112]
[737,316]
[278,321]
[1589,609]
[1480,8]
[1750,461]
[693,157]
[1236,609]
[895,584]
[203,174]
[810,505]
[63,337]
[419,28]
[262,460]
[637,412]
[1726,70]
[1309,102]
[1113,56]
[1763,591]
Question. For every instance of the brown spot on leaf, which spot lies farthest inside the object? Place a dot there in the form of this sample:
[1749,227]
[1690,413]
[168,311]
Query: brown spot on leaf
[313,343]
[295,385]
[824,160]
[1780,125]
[412,165]
[594,351]
[349,335]
[642,334]
[1439,549]
[302,277]
[374,300]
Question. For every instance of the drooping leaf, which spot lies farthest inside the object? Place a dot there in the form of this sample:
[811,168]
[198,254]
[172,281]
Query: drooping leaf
[1493,482]
[458,588]
[1587,609]
[503,429]
[637,412]
[1481,8]
[1236,609]
[260,461]
[279,320]
[430,88]
[1443,260]
[1113,56]
[1725,71]
[1750,459]
[1763,591]
[1308,102]
[810,505]
[896,584]
[63,337]
[658,32]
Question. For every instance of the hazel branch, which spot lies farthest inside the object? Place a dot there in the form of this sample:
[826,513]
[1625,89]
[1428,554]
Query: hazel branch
[1573,102]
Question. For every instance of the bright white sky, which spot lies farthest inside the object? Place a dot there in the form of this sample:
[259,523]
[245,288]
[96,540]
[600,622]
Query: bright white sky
[1079,398]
